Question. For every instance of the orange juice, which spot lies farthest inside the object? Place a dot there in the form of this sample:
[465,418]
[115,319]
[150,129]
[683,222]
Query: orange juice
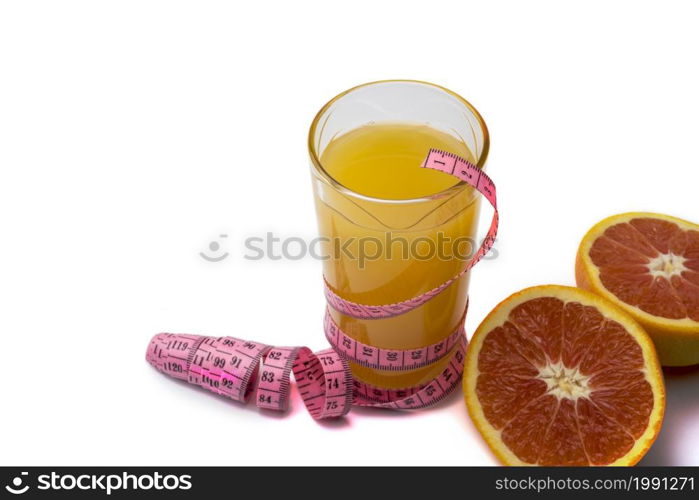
[396,230]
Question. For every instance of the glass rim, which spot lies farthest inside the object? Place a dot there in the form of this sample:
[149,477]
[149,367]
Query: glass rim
[318,167]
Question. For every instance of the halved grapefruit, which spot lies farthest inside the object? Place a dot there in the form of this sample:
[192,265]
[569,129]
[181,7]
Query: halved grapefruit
[649,265]
[559,376]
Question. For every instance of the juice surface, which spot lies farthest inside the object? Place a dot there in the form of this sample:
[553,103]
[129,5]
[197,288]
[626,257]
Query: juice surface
[383,160]
[393,250]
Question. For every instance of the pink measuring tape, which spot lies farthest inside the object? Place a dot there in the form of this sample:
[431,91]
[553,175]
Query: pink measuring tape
[232,367]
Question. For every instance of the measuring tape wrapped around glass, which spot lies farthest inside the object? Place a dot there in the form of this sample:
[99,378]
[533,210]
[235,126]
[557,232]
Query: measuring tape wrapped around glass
[233,367]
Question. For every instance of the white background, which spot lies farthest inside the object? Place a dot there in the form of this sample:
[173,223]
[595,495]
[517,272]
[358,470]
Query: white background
[127,139]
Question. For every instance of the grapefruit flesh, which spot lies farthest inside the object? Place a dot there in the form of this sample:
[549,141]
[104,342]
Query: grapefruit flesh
[649,265]
[559,376]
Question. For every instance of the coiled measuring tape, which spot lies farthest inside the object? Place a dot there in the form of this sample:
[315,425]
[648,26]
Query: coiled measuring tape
[233,367]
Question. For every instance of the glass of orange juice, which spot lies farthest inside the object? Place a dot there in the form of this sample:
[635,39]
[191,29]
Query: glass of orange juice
[392,229]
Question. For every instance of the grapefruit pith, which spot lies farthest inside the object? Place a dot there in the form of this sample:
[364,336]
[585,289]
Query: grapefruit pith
[648,264]
[559,376]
